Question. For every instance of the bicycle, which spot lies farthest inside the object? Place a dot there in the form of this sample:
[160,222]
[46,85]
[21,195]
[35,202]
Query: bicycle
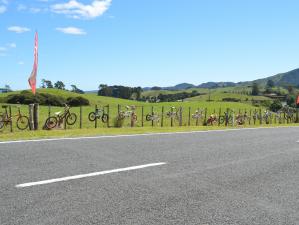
[152,117]
[227,119]
[130,112]
[173,113]
[212,120]
[70,118]
[22,121]
[98,114]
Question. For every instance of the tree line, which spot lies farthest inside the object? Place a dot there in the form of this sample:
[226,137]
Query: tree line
[118,91]
[60,85]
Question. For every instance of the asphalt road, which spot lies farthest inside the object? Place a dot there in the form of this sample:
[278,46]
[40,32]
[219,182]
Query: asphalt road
[226,177]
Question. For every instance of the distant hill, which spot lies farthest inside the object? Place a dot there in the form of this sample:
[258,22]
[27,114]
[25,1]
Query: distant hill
[282,79]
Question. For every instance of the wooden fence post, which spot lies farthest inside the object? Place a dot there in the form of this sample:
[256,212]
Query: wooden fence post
[297,115]
[205,120]
[171,118]
[152,116]
[49,111]
[31,117]
[162,116]
[219,117]
[189,116]
[10,122]
[80,116]
[250,116]
[261,117]
[181,116]
[36,116]
[142,115]
[96,119]
[108,113]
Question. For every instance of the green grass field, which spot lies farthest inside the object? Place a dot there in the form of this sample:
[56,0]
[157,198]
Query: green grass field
[88,128]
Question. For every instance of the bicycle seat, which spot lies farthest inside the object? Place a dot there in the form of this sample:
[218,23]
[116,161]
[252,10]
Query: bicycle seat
[5,106]
[57,113]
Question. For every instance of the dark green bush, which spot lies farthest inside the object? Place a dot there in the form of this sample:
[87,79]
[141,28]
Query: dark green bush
[77,101]
[231,100]
[275,106]
[26,97]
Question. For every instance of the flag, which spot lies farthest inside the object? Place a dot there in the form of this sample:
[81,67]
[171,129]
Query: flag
[297,100]
[32,78]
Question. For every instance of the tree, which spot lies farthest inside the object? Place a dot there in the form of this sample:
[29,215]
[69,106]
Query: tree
[48,84]
[275,106]
[270,83]
[76,90]
[291,89]
[43,83]
[7,87]
[155,88]
[59,85]
[255,89]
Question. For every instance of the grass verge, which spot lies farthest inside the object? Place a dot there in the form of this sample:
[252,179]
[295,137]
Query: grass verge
[43,134]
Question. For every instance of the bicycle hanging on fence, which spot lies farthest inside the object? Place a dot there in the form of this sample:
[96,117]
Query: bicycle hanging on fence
[53,121]
[98,114]
[153,117]
[22,121]
[198,115]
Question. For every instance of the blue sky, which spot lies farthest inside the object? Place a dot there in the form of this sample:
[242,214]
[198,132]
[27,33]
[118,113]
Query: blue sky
[147,42]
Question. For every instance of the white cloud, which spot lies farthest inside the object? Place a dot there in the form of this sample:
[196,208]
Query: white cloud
[21,7]
[2,9]
[21,63]
[18,29]
[78,10]
[12,45]
[71,30]
[2,49]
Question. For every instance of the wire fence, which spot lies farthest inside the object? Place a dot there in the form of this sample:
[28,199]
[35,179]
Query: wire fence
[13,118]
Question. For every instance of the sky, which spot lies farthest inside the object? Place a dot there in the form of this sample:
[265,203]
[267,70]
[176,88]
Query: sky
[147,42]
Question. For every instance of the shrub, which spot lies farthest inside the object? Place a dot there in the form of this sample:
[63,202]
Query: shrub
[275,106]
[231,100]
[77,101]
[26,97]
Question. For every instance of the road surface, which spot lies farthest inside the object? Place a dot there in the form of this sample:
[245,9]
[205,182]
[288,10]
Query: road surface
[222,177]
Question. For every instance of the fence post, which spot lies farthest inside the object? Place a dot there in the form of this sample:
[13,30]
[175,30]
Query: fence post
[31,119]
[108,113]
[10,122]
[250,116]
[36,116]
[171,118]
[219,117]
[261,117]
[189,116]
[80,116]
[297,115]
[181,116]
[162,116]
[205,120]
[96,119]
[64,123]
[152,116]
[142,115]
[49,110]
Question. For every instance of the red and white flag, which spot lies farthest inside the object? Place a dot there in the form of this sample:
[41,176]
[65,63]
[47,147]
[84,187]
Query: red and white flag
[297,102]
[32,78]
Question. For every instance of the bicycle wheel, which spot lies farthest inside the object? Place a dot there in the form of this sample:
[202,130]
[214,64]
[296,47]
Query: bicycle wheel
[71,119]
[148,117]
[22,123]
[92,116]
[51,122]
[221,119]
[105,118]
[121,116]
[2,122]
